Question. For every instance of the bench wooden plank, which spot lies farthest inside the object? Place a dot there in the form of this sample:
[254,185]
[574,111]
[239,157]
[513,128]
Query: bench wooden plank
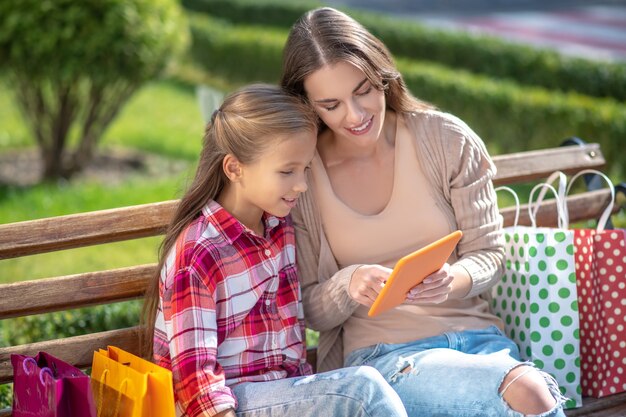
[611,406]
[77,350]
[84,229]
[73,291]
[533,165]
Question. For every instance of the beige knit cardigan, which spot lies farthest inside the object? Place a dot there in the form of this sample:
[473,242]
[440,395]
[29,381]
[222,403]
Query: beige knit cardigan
[460,171]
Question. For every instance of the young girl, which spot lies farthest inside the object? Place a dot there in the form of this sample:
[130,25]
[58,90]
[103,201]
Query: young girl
[225,310]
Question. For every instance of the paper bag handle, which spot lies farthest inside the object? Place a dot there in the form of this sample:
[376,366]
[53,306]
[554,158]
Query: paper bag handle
[125,381]
[119,396]
[562,220]
[561,194]
[43,371]
[510,190]
[604,218]
[101,391]
[47,371]
[25,368]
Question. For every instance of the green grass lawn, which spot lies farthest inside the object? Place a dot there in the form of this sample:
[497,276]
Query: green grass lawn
[13,132]
[164,118]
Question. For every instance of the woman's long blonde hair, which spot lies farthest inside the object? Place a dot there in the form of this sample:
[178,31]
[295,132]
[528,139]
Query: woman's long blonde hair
[247,123]
[326,36]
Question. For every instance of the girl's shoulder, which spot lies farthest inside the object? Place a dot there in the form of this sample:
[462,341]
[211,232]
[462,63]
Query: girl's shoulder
[199,237]
[197,253]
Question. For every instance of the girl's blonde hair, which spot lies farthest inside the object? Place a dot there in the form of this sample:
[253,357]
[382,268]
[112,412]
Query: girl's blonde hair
[326,36]
[247,124]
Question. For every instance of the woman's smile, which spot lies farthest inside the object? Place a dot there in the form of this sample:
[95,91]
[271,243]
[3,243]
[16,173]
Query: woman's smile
[362,129]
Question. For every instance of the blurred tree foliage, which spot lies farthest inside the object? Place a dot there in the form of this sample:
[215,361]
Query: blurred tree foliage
[74,63]
[6,395]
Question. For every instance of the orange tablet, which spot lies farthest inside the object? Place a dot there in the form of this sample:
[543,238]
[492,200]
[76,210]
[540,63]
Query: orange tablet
[411,270]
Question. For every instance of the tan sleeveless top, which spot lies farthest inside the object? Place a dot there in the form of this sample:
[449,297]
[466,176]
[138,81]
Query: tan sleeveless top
[409,221]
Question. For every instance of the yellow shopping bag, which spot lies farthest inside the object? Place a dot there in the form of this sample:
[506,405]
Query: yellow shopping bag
[125,385]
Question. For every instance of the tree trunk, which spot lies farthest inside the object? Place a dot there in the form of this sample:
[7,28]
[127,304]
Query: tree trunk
[51,110]
[61,120]
[102,109]
[52,166]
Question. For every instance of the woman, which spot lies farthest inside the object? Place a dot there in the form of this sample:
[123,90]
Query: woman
[390,175]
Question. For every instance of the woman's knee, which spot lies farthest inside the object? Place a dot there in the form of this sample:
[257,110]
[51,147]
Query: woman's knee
[526,391]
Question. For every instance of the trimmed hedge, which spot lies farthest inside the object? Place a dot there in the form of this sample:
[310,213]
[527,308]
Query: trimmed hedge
[481,54]
[509,117]
[242,54]
[278,13]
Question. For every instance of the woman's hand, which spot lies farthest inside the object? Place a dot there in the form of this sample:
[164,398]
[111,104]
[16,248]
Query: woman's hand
[366,283]
[434,289]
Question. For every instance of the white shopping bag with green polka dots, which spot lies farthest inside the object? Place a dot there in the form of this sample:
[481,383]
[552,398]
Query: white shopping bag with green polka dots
[537,300]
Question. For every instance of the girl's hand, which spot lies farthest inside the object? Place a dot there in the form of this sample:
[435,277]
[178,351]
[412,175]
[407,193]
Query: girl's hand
[434,289]
[366,283]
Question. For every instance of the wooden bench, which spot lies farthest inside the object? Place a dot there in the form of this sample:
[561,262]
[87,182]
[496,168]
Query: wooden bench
[104,287]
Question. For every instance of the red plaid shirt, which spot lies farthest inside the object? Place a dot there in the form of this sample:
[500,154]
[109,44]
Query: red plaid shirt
[230,310]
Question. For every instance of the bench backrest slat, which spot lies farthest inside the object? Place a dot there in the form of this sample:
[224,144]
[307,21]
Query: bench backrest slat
[84,229]
[533,165]
[73,291]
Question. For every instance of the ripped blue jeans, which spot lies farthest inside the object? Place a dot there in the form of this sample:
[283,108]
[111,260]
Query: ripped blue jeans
[455,374]
[356,391]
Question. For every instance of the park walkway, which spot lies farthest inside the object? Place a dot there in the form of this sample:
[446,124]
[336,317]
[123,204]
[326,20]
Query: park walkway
[594,30]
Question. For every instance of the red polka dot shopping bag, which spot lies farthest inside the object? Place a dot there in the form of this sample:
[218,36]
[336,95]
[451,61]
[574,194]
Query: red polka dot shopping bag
[600,257]
[536,299]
